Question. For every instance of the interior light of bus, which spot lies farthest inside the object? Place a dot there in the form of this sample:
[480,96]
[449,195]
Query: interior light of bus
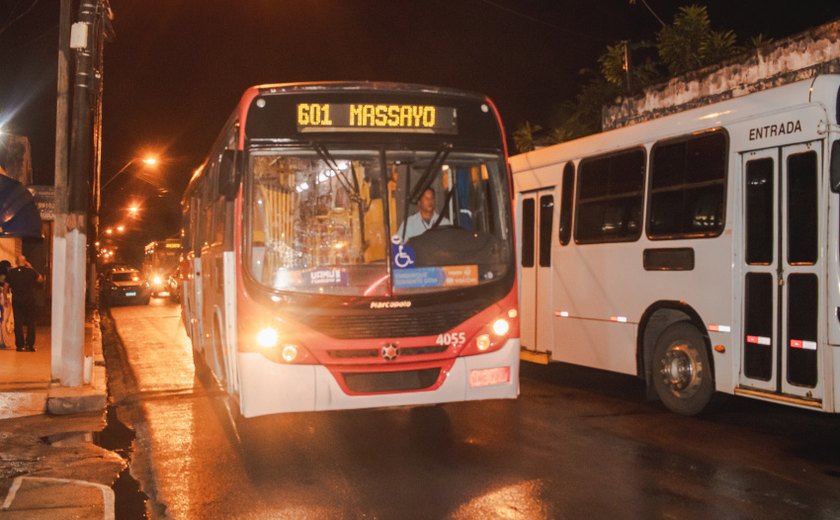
[482,342]
[513,313]
[489,376]
[289,353]
[267,337]
[501,327]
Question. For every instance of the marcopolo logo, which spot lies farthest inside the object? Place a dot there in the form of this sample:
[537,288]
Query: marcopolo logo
[403,304]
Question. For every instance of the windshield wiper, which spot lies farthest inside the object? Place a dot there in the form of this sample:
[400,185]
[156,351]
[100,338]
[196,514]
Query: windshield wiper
[351,188]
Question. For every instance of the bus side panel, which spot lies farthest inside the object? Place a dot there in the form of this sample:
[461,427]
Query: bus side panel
[196,306]
[605,291]
[228,317]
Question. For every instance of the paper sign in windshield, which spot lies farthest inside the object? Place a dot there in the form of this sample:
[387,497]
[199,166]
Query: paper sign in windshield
[426,277]
[327,277]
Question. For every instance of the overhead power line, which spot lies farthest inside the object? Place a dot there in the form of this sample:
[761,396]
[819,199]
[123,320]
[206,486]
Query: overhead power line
[541,21]
[18,17]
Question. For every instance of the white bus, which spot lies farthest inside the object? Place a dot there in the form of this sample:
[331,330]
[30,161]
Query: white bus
[698,251]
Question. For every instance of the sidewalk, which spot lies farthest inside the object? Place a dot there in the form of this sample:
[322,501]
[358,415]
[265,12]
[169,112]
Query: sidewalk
[49,467]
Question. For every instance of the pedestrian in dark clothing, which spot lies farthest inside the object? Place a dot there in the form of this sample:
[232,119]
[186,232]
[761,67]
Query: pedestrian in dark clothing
[23,280]
[5,309]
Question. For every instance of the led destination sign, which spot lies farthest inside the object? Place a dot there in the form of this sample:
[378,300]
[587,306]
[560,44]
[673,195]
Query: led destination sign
[371,117]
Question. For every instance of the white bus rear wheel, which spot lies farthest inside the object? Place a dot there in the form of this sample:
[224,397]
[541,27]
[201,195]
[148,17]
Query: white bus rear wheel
[682,372]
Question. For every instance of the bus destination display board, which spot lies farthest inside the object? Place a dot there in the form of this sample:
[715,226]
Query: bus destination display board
[373,117]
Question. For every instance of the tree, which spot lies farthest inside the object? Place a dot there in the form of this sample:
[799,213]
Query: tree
[523,137]
[687,44]
[613,67]
[690,43]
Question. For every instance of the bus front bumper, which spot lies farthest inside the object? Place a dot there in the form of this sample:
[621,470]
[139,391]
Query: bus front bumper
[268,388]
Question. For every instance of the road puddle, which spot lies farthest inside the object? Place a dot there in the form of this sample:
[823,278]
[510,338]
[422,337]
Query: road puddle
[130,501]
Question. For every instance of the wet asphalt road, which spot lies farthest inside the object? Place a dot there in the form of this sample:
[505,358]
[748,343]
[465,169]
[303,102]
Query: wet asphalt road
[577,443]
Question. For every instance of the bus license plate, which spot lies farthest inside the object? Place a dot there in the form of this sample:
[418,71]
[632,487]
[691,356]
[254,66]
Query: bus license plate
[489,376]
[131,293]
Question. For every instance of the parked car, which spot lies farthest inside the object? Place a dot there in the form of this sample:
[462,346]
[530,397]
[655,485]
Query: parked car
[174,285]
[125,285]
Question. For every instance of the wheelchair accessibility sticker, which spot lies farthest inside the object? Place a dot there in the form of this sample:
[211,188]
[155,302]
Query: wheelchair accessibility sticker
[402,255]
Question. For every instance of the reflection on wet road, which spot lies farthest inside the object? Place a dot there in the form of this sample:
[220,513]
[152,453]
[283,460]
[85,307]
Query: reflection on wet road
[577,444]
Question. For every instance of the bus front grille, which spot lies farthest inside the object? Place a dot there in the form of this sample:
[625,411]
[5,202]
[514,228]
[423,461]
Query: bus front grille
[369,382]
[374,352]
[392,325]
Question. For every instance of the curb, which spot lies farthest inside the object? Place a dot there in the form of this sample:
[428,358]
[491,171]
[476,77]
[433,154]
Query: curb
[68,498]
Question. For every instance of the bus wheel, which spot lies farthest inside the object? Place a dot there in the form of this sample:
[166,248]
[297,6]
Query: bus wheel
[682,373]
[201,370]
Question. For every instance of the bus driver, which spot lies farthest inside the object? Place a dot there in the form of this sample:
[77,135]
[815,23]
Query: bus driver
[424,219]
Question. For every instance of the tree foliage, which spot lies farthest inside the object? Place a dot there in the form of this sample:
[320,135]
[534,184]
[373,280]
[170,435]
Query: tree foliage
[688,43]
[523,137]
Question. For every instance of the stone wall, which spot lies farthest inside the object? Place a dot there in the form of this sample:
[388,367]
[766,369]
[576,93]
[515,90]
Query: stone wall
[803,56]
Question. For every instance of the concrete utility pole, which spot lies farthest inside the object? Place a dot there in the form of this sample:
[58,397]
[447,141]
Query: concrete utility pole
[71,234]
[61,143]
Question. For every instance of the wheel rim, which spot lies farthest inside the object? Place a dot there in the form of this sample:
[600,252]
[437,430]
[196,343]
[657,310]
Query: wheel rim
[682,370]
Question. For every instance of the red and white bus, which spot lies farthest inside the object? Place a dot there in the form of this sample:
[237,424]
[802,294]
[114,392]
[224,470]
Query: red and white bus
[301,292]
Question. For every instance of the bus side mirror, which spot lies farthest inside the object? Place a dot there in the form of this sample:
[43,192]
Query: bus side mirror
[229,174]
[834,166]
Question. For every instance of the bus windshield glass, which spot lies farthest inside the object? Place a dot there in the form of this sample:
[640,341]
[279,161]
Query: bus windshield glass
[377,222]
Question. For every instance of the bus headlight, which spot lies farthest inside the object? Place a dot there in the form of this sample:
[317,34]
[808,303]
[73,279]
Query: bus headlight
[482,342]
[289,353]
[501,327]
[267,337]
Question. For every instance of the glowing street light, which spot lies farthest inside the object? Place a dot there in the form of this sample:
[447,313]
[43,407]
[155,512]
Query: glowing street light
[149,160]
[133,210]
[109,231]
[120,228]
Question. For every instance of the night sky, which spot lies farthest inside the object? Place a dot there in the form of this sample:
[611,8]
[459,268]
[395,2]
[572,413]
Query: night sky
[177,67]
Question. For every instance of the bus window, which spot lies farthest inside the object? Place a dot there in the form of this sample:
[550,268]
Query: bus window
[760,212]
[802,208]
[609,198]
[546,222]
[566,200]
[328,231]
[528,233]
[450,216]
[687,187]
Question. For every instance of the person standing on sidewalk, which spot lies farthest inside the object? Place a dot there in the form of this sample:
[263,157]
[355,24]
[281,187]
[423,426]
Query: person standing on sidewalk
[5,309]
[23,280]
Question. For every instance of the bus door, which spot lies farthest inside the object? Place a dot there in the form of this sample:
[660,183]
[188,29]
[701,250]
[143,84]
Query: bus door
[782,271]
[537,210]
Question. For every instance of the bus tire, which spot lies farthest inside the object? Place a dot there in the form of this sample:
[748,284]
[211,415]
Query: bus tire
[202,372]
[682,372]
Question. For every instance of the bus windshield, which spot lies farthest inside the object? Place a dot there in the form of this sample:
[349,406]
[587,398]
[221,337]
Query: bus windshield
[376,222]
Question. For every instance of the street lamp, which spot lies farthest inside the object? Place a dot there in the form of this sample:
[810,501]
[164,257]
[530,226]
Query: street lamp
[133,210]
[149,161]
